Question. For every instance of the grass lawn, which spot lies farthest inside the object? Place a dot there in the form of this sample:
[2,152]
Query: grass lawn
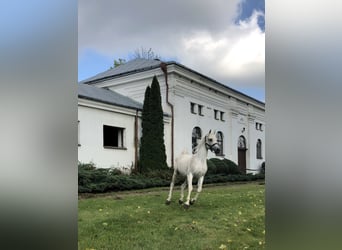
[229,216]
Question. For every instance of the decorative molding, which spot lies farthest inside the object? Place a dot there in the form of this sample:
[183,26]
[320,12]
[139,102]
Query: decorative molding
[234,113]
[251,118]
[106,107]
[207,83]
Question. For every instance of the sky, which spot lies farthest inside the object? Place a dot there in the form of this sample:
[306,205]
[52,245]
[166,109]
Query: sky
[222,39]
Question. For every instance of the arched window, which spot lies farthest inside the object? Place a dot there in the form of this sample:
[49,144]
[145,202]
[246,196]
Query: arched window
[242,142]
[196,136]
[219,137]
[258,149]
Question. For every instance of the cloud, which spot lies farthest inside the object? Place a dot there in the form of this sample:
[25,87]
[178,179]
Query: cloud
[202,35]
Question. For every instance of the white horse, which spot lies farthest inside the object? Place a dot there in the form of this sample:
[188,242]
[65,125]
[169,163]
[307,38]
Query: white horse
[191,165]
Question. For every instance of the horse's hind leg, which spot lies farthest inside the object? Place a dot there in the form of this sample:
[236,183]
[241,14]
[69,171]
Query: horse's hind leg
[189,179]
[183,186]
[168,200]
[199,189]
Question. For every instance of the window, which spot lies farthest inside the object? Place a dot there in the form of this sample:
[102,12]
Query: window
[78,128]
[196,136]
[113,137]
[216,114]
[258,149]
[200,110]
[258,126]
[242,142]
[192,107]
[222,116]
[219,137]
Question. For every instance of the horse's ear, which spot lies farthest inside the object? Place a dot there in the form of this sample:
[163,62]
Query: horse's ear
[209,131]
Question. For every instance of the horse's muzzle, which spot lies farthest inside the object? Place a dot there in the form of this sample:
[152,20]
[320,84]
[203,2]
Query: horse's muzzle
[215,149]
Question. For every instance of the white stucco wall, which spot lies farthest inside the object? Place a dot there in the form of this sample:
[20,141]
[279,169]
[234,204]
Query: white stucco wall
[92,116]
[185,121]
[91,121]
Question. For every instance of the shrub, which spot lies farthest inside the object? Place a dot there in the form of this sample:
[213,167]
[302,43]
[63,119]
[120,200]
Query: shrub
[262,170]
[99,180]
[219,178]
[211,167]
[224,166]
[232,167]
[165,174]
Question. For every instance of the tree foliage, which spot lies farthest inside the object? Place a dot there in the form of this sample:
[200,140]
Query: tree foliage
[118,62]
[138,53]
[145,53]
[144,151]
[152,147]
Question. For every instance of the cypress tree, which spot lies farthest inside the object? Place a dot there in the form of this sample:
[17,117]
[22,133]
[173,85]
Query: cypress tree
[157,127]
[152,147]
[146,131]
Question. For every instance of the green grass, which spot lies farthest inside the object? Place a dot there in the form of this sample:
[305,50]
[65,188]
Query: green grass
[229,216]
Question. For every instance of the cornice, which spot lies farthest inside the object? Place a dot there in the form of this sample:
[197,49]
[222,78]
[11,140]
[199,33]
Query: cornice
[106,107]
[214,85]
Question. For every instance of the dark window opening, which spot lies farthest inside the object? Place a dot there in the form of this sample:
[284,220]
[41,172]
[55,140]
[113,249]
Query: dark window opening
[113,136]
[258,149]
[222,116]
[219,137]
[192,107]
[196,136]
[216,114]
[200,110]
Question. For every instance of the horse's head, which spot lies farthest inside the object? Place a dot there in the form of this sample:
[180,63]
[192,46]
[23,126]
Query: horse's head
[211,142]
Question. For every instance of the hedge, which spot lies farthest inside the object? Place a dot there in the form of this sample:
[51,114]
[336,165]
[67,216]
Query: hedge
[225,166]
[98,180]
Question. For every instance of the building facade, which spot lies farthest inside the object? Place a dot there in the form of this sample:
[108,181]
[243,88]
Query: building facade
[193,104]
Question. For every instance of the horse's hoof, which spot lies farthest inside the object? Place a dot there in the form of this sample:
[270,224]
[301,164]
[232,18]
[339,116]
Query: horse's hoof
[180,202]
[186,206]
[192,202]
[167,202]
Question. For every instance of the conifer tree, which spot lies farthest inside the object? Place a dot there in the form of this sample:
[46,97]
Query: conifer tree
[157,127]
[146,128]
[152,147]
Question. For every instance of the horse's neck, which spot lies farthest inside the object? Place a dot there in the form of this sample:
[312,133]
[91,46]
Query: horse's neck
[202,151]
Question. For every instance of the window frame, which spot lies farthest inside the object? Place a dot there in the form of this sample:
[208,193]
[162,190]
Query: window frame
[120,137]
[194,139]
[220,143]
[216,114]
[221,116]
[259,149]
[192,108]
[200,110]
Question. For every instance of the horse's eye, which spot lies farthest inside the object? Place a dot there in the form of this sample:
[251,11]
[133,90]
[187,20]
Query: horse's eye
[210,140]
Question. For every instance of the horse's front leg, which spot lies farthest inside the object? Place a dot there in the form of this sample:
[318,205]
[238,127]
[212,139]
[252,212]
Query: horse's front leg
[168,200]
[189,178]
[199,189]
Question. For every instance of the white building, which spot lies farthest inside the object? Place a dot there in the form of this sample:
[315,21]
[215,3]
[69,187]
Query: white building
[193,104]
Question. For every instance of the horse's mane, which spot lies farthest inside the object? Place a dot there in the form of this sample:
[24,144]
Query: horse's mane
[201,142]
